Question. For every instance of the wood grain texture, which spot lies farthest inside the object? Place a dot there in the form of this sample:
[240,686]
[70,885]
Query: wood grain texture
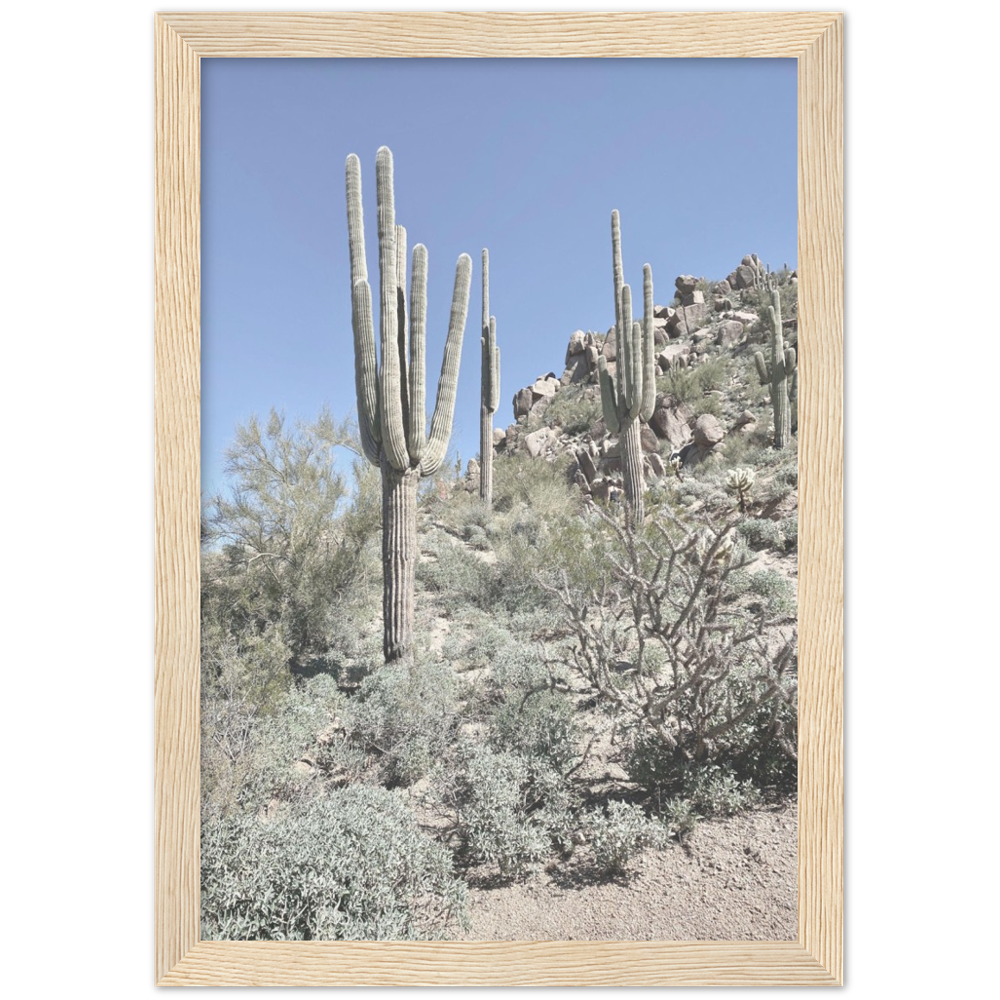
[177,418]
[493,35]
[821,507]
[816,958]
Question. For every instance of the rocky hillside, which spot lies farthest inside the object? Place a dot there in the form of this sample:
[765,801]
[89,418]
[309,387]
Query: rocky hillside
[711,409]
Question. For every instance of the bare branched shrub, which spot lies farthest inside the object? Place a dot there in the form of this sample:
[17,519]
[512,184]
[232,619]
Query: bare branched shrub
[668,638]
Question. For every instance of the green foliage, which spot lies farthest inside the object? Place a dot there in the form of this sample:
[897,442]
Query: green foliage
[506,810]
[404,717]
[349,866]
[283,542]
[538,725]
[575,408]
[620,834]
[689,385]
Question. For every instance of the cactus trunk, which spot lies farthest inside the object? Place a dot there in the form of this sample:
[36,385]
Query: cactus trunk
[399,560]
[781,376]
[635,487]
[486,456]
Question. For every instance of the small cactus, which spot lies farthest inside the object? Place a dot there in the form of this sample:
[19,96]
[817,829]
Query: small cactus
[391,400]
[781,376]
[629,397]
[740,483]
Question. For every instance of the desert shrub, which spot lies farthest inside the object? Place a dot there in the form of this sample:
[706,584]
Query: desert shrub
[686,651]
[349,866]
[476,537]
[761,533]
[504,810]
[538,725]
[620,834]
[679,817]
[687,385]
[574,409]
[717,792]
[404,717]
[457,576]
[790,530]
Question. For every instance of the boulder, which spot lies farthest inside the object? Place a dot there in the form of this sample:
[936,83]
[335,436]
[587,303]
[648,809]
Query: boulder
[660,334]
[499,436]
[670,421]
[537,441]
[730,332]
[746,276]
[745,423]
[695,298]
[656,466]
[577,343]
[648,440]
[723,287]
[576,370]
[590,355]
[611,344]
[662,312]
[685,284]
[522,402]
[587,465]
[547,385]
[687,319]
[667,358]
[746,318]
[708,432]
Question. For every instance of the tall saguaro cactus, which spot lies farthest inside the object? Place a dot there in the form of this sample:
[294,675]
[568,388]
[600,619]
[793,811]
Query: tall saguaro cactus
[781,376]
[391,398]
[490,391]
[629,397]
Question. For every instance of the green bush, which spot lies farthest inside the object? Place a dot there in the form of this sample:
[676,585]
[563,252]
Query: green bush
[405,718]
[538,725]
[620,834]
[505,810]
[350,866]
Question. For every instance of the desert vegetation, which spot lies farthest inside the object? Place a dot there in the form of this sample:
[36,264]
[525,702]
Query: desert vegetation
[420,682]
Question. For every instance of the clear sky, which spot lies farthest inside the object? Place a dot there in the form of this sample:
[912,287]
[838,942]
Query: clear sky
[525,157]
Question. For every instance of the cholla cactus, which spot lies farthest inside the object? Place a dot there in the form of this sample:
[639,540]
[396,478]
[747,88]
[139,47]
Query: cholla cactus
[629,397]
[781,376]
[391,399]
[490,391]
[740,483]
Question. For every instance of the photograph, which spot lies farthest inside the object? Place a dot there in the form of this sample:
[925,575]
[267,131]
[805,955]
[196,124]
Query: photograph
[499,499]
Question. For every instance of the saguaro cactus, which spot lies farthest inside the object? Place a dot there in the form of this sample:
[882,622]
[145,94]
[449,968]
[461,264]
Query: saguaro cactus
[490,391]
[391,408]
[629,397]
[782,376]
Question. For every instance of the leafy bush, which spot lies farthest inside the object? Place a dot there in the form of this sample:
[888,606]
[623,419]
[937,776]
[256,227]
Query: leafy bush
[619,835]
[716,792]
[575,408]
[538,725]
[405,717]
[350,866]
[505,810]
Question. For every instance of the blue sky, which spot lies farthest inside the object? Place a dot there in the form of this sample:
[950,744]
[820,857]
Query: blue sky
[525,157]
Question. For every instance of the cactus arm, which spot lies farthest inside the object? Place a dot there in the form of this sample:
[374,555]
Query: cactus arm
[365,371]
[609,397]
[618,273]
[789,360]
[393,429]
[762,372]
[444,407]
[355,222]
[403,338]
[626,352]
[486,293]
[494,399]
[648,347]
[418,354]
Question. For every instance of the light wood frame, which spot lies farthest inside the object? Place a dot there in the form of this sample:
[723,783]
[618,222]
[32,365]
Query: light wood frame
[815,39]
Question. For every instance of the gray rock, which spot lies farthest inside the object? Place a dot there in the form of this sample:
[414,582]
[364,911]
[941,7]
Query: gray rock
[669,355]
[547,385]
[695,298]
[687,319]
[656,466]
[590,356]
[662,312]
[685,284]
[708,432]
[587,465]
[577,343]
[499,436]
[723,287]
[648,440]
[745,276]
[576,371]
[670,421]
[522,402]
[537,441]
[730,332]
[611,344]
